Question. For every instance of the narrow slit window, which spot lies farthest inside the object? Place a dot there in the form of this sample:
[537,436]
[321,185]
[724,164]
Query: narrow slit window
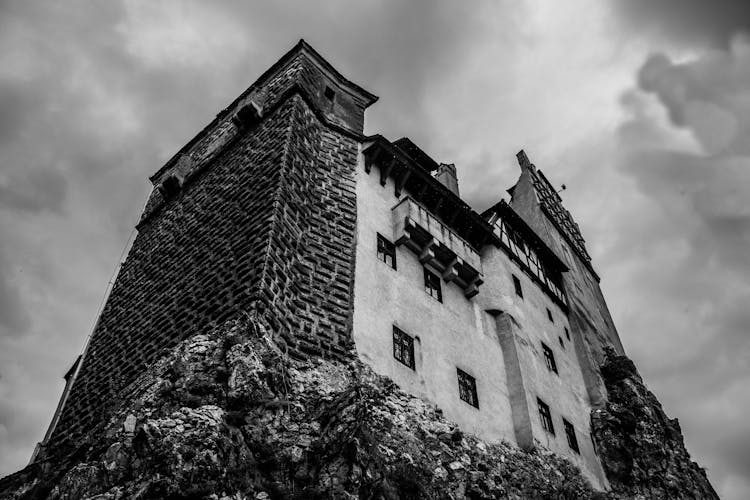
[545,416]
[403,347]
[432,285]
[467,388]
[570,433]
[549,357]
[567,333]
[517,286]
[386,251]
[562,344]
[549,315]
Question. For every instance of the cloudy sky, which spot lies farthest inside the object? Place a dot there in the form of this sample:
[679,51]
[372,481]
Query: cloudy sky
[642,108]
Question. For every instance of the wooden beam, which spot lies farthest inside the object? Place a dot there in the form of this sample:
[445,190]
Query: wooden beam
[452,269]
[428,252]
[369,160]
[386,171]
[401,182]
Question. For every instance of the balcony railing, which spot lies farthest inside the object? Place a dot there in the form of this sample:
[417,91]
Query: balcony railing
[438,245]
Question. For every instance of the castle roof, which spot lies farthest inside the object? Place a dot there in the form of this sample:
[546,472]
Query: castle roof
[551,204]
[302,47]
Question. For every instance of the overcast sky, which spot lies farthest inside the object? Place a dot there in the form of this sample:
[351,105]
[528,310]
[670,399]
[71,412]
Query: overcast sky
[641,108]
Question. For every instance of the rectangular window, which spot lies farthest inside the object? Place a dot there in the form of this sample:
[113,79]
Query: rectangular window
[386,251]
[403,347]
[570,433]
[517,285]
[567,333]
[467,388]
[432,285]
[562,344]
[546,417]
[549,315]
[549,357]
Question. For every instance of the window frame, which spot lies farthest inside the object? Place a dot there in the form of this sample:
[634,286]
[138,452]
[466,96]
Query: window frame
[517,286]
[549,358]
[386,248]
[570,434]
[403,341]
[435,286]
[467,388]
[545,416]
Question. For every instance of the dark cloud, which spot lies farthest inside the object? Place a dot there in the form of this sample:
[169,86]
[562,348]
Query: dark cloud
[34,191]
[14,319]
[702,21]
[693,242]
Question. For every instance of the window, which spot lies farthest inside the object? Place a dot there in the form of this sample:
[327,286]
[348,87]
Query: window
[432,285]
[517,285]
[467,388]
[570,433]
[386,251]
[567,333]
[403,347]
[549,315]
[545,416]
[549,357]
[329,93]
[562,344]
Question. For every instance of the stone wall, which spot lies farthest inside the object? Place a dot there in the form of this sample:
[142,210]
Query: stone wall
[265,226]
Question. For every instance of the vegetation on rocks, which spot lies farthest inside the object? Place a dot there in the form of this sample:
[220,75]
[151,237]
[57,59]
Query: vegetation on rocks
[227,415]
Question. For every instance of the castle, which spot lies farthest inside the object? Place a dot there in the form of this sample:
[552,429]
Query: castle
[282,209]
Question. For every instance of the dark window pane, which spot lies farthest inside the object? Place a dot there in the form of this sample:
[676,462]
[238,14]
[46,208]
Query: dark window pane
[403,347]
[545,416]
[386,251]
[517,285]
[432,285]
[467,388]
[549,357]
[570,433]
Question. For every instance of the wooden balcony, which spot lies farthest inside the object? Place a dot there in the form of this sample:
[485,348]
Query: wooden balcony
[438,245]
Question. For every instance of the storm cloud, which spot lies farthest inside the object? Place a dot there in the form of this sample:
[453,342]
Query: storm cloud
[652,144]
[697,21]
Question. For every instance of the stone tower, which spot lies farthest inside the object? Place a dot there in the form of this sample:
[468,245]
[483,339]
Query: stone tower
[256,215]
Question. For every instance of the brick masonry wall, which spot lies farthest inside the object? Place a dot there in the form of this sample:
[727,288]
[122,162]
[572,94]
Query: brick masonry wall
[266,227]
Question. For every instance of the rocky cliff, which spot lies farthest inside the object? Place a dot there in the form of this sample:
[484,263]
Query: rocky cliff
[227,415]
[642,450]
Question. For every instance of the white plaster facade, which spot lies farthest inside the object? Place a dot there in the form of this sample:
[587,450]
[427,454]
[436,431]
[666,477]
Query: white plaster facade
[494,336]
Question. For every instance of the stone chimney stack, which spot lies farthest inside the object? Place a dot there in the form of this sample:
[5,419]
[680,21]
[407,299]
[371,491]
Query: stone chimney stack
[446,174]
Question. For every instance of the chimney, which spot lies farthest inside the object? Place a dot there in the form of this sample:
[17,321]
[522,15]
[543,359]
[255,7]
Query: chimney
[446,174]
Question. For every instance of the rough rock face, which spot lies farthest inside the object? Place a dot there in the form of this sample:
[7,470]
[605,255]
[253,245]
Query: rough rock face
[227,415]
[642,450]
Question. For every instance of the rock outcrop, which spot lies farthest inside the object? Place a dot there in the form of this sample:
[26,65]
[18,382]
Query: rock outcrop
[642,450]
[227,415]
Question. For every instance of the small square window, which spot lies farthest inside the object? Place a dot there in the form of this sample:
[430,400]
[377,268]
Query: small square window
[329,93]
[386,251]
[403,347]
[570,433]
[467,388]
[549,315]
[432,285]
[567,333]
[545,416]
[517,286]
[562,344]
[549,357]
